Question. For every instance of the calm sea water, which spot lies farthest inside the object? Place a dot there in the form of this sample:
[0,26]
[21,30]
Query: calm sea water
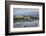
[33,23]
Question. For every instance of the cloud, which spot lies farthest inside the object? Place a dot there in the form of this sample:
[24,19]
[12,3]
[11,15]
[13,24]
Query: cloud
[20,11]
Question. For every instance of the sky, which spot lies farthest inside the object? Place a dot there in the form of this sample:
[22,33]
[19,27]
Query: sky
[25,11]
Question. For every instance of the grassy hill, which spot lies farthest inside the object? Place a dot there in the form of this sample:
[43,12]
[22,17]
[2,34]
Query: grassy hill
[25,17]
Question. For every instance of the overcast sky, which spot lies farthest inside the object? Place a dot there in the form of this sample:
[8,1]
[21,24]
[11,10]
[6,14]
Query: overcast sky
[25,11]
